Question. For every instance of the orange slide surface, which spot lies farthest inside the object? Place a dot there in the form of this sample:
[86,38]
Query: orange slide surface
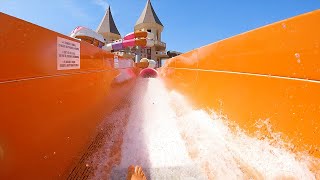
[50,112]
[268,73]
[49,116]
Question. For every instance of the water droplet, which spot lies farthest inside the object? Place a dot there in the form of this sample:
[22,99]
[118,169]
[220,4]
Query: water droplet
[54,153]
[297,55]
[87,165]
[45,157]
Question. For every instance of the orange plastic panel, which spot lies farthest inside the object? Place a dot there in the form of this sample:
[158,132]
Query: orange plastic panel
[188,60]
[141,42]
[288,48]
[259,75]
[49,116]
[140,34]
[142,64]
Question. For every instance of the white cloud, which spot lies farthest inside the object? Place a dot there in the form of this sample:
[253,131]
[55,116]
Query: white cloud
[103,3]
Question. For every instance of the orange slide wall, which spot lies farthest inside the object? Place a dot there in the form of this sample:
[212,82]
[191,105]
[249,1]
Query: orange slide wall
[271,73]
[48,116]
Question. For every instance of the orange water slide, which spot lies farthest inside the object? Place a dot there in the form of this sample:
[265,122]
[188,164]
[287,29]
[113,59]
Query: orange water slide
[270,73]
[50,110]
[49,116]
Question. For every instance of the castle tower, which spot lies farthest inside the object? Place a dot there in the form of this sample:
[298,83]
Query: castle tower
[150,22]
[108,28]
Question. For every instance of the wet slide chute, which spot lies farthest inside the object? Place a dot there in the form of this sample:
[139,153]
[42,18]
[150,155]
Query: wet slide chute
[50,118]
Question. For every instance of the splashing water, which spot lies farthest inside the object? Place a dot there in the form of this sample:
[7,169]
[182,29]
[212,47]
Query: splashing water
[160,131]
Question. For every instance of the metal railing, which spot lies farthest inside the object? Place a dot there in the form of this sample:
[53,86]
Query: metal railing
[159,43]
[161,53]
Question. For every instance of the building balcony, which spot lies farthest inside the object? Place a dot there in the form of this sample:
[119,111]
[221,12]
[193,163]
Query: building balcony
[161,54]
[124,54]
[161,44]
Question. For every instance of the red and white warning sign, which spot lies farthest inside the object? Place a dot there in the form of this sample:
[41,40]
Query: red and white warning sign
[68,54]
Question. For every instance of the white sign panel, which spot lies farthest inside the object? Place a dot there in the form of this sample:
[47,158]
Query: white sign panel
[116,62]
[68,54]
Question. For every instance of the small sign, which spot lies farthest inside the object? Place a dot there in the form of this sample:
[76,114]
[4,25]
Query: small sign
[68,54]
[116,62]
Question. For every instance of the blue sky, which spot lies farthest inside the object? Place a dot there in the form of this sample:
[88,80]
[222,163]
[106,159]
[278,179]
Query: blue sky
[188,24]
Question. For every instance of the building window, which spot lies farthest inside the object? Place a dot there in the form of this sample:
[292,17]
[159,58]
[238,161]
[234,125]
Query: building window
[148,51]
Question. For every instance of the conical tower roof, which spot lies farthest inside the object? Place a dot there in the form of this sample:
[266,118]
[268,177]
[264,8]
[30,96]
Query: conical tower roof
[107,24]
[149,15]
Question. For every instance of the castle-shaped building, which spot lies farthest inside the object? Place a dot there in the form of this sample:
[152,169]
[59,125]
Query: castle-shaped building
[148,21]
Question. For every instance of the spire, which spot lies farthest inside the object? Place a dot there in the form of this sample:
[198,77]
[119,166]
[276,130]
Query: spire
[148,15]
[107,24]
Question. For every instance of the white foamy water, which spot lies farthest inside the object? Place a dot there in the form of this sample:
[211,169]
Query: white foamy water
[170,140]
[152,128]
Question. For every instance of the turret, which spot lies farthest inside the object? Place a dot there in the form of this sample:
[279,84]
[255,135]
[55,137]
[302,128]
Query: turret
[149,21]
[108,28]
